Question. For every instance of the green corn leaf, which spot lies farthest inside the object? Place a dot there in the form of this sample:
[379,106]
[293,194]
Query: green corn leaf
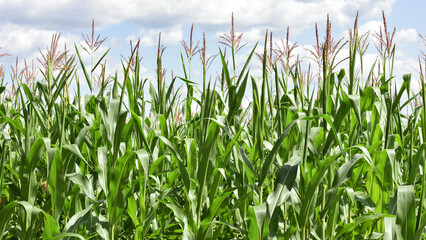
[79,218]
[5,215]
[182,169]
[51,227]
[313,184]
[100,60]
[103,169]
[84,183]
[27,172]
[405,212]
[57,184]
[271,156]
[86,75]
[286,178]
[118,177]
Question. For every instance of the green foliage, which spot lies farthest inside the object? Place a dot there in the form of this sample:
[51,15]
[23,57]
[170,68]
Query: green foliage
[341,162]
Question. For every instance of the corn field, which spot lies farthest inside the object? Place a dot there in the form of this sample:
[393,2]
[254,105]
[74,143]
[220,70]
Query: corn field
[314,155]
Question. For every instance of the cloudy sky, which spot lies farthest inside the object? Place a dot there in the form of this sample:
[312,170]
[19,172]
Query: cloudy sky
[28,25]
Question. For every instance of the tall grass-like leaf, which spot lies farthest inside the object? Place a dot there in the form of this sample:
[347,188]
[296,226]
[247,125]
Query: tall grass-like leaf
[57,184]
[31,214]
[78,179]
[5,215]
[348,229]
[182,168]
[103,169]
[116,199]
[51,227]
[343,174]
[256,217]
[208,151]
[86,75]
[285,180]
[13,122]
[27,172]
[271,156]
[66,235]
[78,219]
[405,212]
[214,210]
[313,184]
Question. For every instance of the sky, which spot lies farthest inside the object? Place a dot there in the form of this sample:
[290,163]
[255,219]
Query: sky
[27,27]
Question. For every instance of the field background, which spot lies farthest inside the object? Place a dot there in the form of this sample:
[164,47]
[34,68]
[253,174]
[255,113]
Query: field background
[269,148]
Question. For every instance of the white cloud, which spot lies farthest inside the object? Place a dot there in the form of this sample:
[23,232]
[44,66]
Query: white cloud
[24,41]
[23,44]
[375,8]
[149,38]
[159,14]
[370,26]
[253,35]
[404,66]
[406,36]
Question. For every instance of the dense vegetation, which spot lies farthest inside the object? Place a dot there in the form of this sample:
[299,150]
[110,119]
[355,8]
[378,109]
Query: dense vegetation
[313,156]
